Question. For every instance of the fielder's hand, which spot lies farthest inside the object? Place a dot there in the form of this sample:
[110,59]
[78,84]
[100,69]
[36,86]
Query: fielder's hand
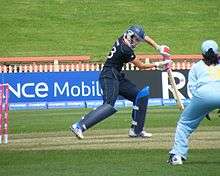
[163,50]
[162,65]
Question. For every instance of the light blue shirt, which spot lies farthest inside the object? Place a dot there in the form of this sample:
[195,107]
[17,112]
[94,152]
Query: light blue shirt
[202,74]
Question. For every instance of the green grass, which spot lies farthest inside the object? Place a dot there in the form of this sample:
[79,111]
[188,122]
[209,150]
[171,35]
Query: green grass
[92,162]
[89,27]
[60,120]
[107,163]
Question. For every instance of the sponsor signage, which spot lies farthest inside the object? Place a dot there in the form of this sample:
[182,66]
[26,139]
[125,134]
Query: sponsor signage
[82,89]
[53,87]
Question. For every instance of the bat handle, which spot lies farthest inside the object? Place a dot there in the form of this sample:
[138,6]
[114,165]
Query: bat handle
[168,66]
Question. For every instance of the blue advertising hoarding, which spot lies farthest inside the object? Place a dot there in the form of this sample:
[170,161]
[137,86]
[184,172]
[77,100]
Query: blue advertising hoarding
[53,87]
[47,90]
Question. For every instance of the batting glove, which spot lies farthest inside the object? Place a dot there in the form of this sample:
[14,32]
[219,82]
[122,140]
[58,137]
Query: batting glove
[162,65]
[163,50]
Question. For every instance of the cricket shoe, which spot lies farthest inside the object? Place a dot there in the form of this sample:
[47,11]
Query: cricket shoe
[143,134]
[175,160]
[77,130]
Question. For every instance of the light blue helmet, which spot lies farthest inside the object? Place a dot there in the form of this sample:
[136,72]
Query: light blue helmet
[206,45]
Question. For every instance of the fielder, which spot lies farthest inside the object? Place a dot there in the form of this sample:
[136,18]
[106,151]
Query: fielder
[114,83]
[204,84]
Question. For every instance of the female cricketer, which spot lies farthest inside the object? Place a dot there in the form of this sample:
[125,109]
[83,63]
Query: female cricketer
[114,83]
[204,84]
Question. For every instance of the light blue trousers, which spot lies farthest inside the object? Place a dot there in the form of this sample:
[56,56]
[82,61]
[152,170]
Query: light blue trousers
[207,98]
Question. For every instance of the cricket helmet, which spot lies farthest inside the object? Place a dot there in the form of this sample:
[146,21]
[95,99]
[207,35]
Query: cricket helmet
[134,35]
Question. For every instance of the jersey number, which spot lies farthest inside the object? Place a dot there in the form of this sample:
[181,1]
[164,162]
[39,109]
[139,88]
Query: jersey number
[112,51]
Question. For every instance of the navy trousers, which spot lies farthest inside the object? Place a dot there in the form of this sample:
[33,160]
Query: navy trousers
[113,83]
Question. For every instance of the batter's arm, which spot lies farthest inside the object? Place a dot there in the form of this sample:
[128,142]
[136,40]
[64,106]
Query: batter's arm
[151,42]
[158,65]
[138,63]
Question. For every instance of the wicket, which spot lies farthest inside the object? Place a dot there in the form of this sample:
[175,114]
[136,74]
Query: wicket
[4,108]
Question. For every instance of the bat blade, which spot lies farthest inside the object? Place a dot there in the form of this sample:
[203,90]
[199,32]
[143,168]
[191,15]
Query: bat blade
[175,91]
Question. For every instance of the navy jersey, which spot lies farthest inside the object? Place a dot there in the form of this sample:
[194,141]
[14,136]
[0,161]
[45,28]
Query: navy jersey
[119,55]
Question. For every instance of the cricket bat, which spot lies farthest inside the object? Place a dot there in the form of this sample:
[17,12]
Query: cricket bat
[175,91]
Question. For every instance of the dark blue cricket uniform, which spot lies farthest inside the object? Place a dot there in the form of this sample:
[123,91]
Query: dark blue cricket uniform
[113,82]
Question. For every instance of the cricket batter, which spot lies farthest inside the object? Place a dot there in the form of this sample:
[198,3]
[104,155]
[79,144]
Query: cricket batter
[204,84]
[114,83]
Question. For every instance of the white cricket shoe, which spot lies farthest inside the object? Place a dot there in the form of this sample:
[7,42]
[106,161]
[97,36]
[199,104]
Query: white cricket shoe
[175,160]
[77,130]
[143,134]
